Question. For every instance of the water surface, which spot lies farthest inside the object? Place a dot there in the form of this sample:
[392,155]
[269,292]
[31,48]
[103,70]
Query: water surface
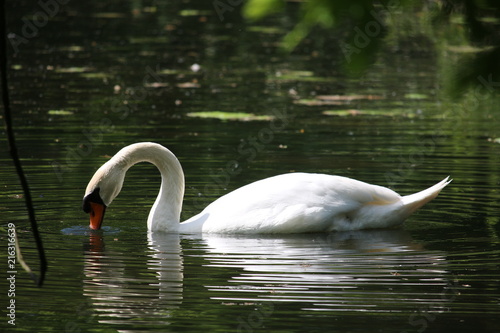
[99,76]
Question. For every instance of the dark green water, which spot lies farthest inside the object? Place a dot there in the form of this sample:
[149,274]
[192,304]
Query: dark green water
[100,75]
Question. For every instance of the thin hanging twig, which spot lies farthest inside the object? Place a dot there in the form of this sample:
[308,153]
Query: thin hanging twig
[15,157]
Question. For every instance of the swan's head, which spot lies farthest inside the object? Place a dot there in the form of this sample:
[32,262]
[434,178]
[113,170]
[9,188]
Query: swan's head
[101,191]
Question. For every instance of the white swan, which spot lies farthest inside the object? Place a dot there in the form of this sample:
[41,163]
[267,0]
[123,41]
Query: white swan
[288,203]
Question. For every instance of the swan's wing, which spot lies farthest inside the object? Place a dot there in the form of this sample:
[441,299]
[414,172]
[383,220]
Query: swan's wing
[364,193]
[296,202]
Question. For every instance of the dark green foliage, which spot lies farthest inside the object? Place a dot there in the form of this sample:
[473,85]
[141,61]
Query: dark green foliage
[366,23]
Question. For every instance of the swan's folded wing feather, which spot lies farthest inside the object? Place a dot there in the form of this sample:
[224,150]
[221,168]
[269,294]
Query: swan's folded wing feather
[295,202]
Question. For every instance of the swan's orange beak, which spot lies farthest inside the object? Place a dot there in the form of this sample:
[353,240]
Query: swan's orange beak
[96,215]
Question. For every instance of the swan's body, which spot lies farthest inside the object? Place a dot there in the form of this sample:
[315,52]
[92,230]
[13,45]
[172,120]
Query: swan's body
[288,203]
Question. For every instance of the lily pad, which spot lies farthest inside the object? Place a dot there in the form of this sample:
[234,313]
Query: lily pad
[95,75]
[73,69]
[266,30]
[60,112]
[367,112]
[72,48]
[169,71]
[297,75]
[294,74]
[147,40]
[194,12]
[221,115]
[466,49]
[350,112]
[416,96]
[316,102]
[156,85]
[335,99]
[348,98]
[188,85]
[291,78]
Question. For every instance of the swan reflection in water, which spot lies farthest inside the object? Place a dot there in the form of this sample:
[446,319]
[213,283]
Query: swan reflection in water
[120,287]
[341,271]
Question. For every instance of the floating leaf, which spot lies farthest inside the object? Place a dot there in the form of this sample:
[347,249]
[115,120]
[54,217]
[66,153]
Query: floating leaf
[307,76]
[141,40]
[169,71]
[416,96]
[315,102]
[221,115]
[194,12]
[72,48]
[335,99]
[266,30]
[188,85]
[348,98]
[73,69]
[372,112]
[109,15]
[465,48]
[94,75]
[351,112]
[60,112]
[156,85]
[151,9]
[295,73]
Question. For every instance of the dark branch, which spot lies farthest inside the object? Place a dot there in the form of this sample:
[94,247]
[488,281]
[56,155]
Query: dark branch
[13,149]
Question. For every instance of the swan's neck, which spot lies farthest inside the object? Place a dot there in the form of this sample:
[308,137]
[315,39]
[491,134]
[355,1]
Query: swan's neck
[166,211]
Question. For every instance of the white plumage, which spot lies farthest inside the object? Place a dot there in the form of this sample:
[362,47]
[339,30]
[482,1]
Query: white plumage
[288,203]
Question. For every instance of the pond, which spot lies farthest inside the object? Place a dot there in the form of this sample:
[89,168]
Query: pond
[217,91]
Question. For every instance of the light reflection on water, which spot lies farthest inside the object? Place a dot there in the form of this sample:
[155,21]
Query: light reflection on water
[439,273]
[357,270]
[118,297]
[369,271]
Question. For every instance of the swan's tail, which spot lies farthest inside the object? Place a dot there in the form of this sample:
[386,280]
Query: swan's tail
[414,201]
